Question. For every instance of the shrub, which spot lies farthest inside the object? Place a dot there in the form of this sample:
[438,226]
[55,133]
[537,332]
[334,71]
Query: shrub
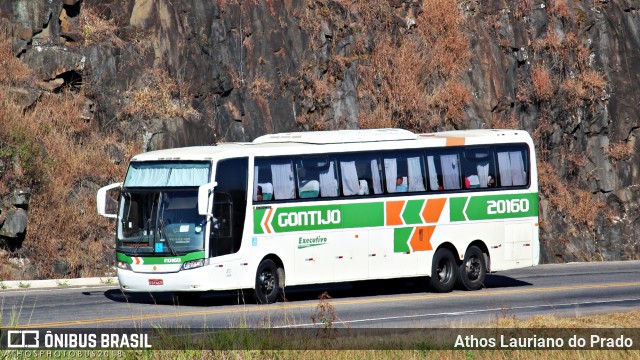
[619,151]
[542,83]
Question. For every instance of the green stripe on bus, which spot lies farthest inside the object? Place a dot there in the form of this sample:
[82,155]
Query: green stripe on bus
[411,213]
[258,214]
[156,260]
[322,217]
[493,207]
[401,239]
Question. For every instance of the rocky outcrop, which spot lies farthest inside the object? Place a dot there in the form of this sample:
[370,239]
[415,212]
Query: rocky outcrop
[177,73]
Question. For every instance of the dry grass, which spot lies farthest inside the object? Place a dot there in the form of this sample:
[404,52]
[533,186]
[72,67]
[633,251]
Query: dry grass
[14,71]
[53,151]
[505,122]
[260,87]
[406,78]
[61,152]
[560,9]
[579,204]
[157,95]
[620,151]
[542,83]
[606,321]
[585,89]
[96,28]
[413,82]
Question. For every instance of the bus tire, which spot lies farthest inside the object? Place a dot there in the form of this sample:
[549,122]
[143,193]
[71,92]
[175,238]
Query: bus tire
[267,289]
[443,271]
[473,269]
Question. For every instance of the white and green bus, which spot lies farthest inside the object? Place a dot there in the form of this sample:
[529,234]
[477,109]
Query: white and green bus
[325,207]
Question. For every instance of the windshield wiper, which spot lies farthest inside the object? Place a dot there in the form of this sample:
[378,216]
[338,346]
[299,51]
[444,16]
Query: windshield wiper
[168,240]
[163,232]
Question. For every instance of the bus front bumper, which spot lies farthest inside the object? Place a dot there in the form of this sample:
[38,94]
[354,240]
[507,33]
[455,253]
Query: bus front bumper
[184,280]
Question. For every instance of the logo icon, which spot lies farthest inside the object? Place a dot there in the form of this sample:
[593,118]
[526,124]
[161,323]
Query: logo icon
[21,339]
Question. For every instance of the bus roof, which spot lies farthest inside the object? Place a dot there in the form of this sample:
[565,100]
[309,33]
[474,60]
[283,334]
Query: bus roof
[337,136]
[369,139]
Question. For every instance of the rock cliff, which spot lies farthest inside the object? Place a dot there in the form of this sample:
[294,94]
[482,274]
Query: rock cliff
[157,74]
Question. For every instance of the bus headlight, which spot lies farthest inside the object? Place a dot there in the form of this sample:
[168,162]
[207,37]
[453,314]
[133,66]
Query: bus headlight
[193,264]
[123,265]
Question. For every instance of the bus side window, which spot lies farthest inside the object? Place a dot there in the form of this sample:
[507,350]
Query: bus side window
[434,174]
[328,179]
[512,165]
[275,177]
[404,171]
[444,164]
[356,170]
[316,177]
[477,166]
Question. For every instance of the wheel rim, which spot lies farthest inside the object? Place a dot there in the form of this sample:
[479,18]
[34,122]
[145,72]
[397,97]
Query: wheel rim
[267,282]
[444,271]
[473,267]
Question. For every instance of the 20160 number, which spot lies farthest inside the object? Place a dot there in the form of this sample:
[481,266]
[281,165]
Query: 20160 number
[507,206]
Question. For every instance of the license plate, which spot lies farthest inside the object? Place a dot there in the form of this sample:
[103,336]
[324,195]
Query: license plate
[155,282]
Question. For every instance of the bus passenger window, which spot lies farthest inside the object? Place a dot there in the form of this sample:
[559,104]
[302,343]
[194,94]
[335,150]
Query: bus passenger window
[355,168]
[275,176]
[450,171]
[404,171]
[316,177]
[477,164]
[511,165]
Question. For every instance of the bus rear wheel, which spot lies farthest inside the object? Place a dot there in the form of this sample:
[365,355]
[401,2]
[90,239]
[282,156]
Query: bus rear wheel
[443,271]
[267,289]
[473,269]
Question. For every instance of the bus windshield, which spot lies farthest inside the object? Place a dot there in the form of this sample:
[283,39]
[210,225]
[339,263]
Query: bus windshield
[162,222]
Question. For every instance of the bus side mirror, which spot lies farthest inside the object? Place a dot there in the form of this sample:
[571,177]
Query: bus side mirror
[101,200]
[204,195]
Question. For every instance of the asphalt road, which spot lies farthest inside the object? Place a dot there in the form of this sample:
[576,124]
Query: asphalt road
[563,289]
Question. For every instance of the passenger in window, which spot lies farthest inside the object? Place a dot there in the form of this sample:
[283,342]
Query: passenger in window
[400,185]
[491,182]
[259,195]
[440,187]
[471,182]
[363,187]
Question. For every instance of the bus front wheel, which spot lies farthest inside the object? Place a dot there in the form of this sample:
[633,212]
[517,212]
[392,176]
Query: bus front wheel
[267,289]
[443,271]
[473,269]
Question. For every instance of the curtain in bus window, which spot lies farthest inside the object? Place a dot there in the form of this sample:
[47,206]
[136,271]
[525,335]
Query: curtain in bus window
[328,182]
[504,163]
[433,175]
[450,171]
[375,177]
[153,174]
[188,176]
[415,174]
[391,174]
[483,174]
[517,168]
[255,182]
[283,185]
[147,176]
[511,167]
[350,185]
